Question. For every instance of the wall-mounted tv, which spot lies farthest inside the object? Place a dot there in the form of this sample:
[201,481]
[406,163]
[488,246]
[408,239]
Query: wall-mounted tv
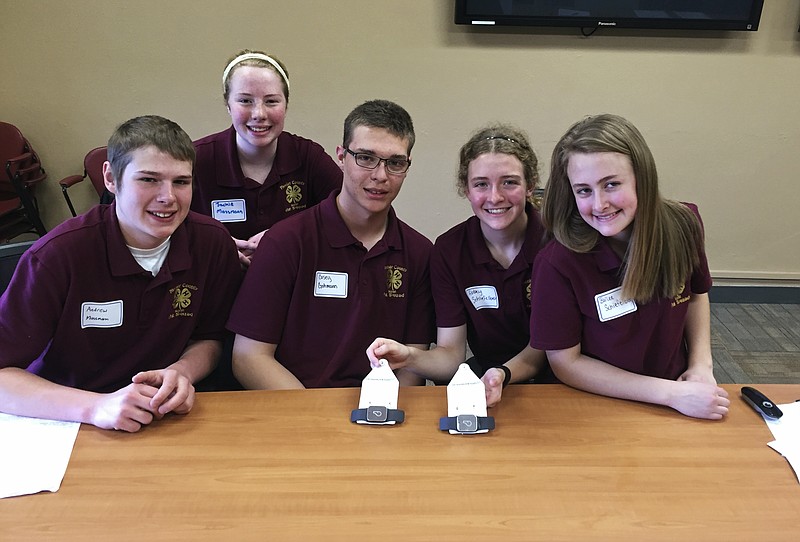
[667,14]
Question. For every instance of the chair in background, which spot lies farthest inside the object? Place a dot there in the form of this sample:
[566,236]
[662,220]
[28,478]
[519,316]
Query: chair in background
[21,172]
[10,253]
[93,169]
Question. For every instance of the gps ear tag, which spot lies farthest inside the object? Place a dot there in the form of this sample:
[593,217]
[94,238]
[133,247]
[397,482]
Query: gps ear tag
[377,404]
[466,405]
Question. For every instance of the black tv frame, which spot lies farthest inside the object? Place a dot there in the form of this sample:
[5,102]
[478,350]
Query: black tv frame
[462,17]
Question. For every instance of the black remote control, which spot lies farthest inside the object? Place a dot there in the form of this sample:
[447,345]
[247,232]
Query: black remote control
[761,403]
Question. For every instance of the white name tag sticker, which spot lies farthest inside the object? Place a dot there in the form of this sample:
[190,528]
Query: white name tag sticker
[483,297]
[107,314]
[229,210]
[330,284]
[610,305]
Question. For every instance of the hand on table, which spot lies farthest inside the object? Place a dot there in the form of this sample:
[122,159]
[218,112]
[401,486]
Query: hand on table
[700,399]
[175,393]
[127,409]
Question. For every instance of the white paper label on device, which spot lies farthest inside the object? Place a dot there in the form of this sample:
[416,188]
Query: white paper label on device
[379,388]
[466,394]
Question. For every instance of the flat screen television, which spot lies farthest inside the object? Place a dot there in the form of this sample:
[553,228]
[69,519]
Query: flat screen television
[589,14]
[10,254]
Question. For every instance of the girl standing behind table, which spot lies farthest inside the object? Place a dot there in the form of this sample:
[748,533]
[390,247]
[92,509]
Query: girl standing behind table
[620,298]
[481,269]
[254,174]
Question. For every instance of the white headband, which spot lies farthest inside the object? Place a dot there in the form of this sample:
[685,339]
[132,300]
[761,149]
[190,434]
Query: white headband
[254,56]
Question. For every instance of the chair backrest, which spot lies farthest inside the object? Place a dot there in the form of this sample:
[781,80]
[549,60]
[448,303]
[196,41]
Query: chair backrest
[93,166]
[20,172]
[12,144]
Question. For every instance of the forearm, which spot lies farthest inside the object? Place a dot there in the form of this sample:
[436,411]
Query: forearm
[526,365]
[198,360]
[26,394]
[592,375]
[256,368]
[697,332]
[439,363]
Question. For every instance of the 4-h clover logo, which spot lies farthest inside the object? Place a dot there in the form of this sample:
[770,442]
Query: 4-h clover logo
[293,194]
[394,278]
[182,298]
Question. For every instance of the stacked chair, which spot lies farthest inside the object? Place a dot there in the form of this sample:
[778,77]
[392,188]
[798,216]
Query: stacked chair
[21,173]
[93,170]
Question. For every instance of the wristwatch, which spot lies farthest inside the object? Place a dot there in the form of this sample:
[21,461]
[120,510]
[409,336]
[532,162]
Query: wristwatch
[377,414]
[466,423]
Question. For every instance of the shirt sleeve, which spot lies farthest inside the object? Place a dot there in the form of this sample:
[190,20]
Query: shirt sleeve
[446,296]
[556,321]
[325,173]
[420,318]
[222,283]
[30,310]
[263,301]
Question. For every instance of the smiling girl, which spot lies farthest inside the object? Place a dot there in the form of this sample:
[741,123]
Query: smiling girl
[254,174]
[481,269]
[620,297]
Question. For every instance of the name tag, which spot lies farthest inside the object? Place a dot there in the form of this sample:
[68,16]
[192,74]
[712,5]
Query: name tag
[95,314]
[229,210]
[330,284]
[610,305]
[483,297]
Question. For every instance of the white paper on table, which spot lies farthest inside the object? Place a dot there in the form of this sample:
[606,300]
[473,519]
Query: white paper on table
[34,454]
[466,394]
[786,431]
[379,388]
[792,455]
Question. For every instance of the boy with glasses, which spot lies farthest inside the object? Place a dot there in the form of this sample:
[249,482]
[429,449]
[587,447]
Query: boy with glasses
[327,281]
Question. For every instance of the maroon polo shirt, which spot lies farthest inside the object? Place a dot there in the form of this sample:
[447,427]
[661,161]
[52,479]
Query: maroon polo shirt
[647,341]
[81,312]
[470,287]
[322,298]
[302,175]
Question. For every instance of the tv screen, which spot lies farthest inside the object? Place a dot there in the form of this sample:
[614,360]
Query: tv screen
[9,256]
[668,14]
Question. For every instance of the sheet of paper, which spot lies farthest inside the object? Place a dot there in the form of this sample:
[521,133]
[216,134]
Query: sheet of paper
[379,388]
[466,394]
[786,431]
[34,454]
[787,427]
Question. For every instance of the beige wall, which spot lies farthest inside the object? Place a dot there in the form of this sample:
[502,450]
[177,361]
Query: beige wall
[720,111]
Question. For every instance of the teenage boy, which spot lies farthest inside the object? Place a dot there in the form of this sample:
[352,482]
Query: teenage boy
[328,280]
[113,316]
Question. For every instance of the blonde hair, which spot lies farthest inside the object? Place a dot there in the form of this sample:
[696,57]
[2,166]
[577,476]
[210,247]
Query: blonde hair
[667,237]
[499,139]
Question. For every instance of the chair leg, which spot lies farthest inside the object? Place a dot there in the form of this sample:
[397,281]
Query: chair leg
[69,201]
[29,204]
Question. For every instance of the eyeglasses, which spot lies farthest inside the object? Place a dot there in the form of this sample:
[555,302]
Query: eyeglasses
[368,161]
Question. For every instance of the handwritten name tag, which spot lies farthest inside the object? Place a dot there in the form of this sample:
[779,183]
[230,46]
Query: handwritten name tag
[107,314]
[610,305]
[483,297]
[330,284]
[229,210]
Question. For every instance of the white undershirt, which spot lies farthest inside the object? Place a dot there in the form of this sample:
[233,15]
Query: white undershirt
[151,259]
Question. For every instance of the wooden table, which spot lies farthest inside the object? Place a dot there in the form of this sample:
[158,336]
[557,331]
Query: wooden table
[288,465]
